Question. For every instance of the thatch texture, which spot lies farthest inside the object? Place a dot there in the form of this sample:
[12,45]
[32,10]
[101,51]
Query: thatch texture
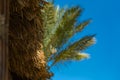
[26,58]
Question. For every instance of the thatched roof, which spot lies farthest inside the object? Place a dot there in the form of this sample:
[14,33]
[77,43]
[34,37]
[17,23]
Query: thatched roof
[26,58]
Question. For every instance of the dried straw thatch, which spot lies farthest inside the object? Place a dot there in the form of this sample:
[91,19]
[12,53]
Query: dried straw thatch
[26,58]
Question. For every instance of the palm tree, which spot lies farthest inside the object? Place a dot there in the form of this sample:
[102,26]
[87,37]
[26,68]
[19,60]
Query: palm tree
[59,26]
[37,35]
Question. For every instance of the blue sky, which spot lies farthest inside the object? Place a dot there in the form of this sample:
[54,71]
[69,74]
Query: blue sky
[104,63]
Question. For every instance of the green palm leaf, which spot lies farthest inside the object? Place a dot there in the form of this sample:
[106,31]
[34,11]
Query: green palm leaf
[65,28]
[59,27]
[71,53]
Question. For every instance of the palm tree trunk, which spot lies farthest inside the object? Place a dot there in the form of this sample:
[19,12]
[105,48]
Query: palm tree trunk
[26,58]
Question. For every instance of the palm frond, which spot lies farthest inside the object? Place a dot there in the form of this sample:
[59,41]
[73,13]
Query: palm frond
[49,20]
[59,27]
[71,53]
[82,25]
[83,43]
[65,29]
[51,16]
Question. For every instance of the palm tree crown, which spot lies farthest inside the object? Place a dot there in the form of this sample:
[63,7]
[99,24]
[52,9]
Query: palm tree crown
[59,26]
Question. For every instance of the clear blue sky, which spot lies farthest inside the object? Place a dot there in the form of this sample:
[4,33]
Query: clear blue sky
[104,63]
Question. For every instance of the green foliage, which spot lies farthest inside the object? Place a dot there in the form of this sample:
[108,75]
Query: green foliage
[59,26]
[71,52]
[52,18]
